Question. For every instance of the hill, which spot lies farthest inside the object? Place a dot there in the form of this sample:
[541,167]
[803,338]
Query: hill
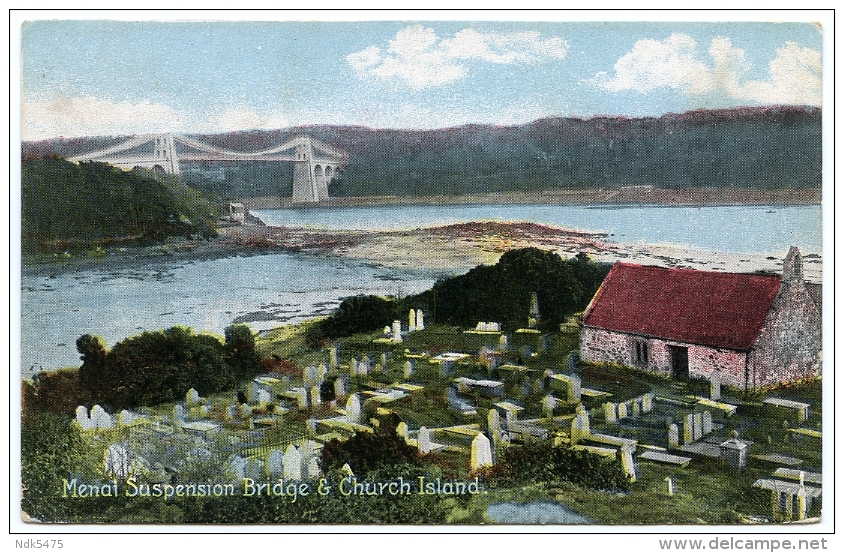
[760,147]
[66,205]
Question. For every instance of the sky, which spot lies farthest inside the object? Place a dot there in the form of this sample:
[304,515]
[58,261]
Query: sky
[108,77]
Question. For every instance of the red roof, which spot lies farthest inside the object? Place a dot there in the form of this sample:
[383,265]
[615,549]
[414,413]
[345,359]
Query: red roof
[725,310]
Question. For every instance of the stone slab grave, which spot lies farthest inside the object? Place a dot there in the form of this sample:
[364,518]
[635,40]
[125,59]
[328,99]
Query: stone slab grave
[702,449]
[799,410]
[724,409]
[794,474]
[807,432]
[666,458]
[594,394]
[779,459]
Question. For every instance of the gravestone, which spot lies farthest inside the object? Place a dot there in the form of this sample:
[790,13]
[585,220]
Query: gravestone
[311,376]
[192,397]
[622,411]
[316,398]
[734,452]
[424,441]
[340,388]
[383,361]
[313,469]
[494,426]
[309,449]
[408,369]
[573,361]
[707,423]
[236,468]
[580,425]
[673,436]
[575,386]
[302,398]
[411,320]
[292,464]
[322,370]
[549,402]
[669,485]
[715,386]
[354,367]
[231,412]
[420,320]
[481,455]
[100,419]
[688,429]
[364,366]
[397,331]
[254,469]
[264,397]
[698,426]
[245,411]
[82,418]
[353,408]
[610,413]
[627,463]
[125,418]
[634,408]
[502,342]
[332,358]
[118,461]
[275,464]
[648,402]
[401,430]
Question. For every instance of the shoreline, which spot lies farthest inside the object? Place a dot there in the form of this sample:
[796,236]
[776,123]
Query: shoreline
[640,196]
[455,247]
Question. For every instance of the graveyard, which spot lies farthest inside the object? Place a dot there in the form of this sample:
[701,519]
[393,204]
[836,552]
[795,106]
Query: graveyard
[470,404]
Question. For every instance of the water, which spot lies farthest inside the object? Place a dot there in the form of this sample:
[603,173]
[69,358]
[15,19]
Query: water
[270,290]
[263,291]
[536,512]
[729,229]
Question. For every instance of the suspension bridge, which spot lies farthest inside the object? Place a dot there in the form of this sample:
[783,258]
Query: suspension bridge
[315,163]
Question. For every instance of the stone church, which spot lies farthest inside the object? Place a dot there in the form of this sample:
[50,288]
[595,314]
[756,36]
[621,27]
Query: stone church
[756,329]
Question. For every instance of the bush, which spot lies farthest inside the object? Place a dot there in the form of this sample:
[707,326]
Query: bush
[365,452]
[542,463]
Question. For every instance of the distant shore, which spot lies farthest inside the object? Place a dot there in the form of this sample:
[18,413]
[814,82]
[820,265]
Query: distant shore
[625,195]
[453,248]
[466,245]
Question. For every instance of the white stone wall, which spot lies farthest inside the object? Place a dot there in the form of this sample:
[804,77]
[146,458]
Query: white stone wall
[598,345]
[788,348]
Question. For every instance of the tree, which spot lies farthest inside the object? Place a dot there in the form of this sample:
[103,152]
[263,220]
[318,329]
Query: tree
[93,354]
[241,356]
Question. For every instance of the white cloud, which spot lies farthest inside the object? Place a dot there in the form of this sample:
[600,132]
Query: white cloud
[794,75]
[91,116]
[422,60]
[795,78]
[365,59]
[656,64]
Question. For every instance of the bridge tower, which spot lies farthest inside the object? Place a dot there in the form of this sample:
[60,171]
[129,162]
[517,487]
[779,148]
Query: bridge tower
[309,182]
[165,154]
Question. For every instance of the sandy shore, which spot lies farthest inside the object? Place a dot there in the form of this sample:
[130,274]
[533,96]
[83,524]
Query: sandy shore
[452,248]
[462,246]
